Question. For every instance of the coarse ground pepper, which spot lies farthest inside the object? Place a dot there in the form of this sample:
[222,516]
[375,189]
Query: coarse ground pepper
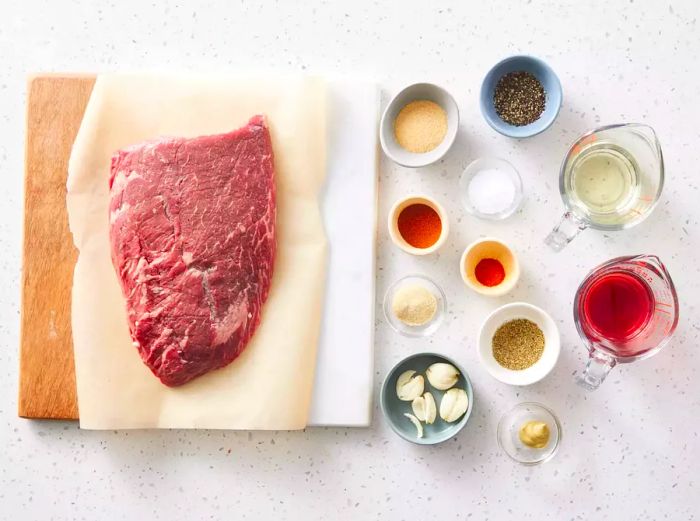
[419,225]
[518,344]
[489,272]
[519,98]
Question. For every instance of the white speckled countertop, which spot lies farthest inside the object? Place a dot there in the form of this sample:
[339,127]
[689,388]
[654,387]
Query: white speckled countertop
[631,450]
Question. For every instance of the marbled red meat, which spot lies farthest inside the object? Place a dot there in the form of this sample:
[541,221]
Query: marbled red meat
[192,232]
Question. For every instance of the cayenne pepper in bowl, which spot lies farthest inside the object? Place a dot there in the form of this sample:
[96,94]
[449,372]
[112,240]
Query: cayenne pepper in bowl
[489,267]
[489,272]
[418,225]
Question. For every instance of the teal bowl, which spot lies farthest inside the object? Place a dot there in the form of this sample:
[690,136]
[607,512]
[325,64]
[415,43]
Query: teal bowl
[545,75]
[394,409]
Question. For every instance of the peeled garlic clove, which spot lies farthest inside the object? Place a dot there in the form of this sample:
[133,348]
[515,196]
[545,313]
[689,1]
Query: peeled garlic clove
[408,386]
[430,409]
[453,405]
[403,379]
[416,422]
[442,376]
[418,406]
[424,408]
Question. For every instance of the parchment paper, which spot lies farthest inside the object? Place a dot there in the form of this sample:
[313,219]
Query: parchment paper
[269,385]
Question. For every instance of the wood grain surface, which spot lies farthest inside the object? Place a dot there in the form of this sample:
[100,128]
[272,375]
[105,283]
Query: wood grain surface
[55,106]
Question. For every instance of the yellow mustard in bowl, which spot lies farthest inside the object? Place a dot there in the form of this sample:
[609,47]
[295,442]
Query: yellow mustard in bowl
[534,434]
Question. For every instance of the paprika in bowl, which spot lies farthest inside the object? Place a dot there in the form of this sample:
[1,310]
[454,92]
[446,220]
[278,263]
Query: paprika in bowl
[418,224]
[489,266]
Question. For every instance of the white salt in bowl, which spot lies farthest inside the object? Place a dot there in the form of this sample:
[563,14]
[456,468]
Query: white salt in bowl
[491,188]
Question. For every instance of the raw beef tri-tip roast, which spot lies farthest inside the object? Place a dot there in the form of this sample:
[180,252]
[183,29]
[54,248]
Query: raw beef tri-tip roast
[192,231]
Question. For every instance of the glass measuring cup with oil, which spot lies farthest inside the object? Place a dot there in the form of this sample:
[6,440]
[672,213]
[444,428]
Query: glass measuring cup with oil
[611,179]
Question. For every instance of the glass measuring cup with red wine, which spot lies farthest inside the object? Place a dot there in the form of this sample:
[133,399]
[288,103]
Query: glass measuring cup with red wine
[626,309]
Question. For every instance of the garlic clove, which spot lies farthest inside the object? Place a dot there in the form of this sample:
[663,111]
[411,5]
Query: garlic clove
[418,406]
[430,409]
[453,405]
[416,422]
[404,377]
[424,408]
[408,386]
[442,376]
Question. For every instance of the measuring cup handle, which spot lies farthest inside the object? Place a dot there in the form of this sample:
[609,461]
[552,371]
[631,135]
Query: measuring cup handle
[565,232]
[597,369]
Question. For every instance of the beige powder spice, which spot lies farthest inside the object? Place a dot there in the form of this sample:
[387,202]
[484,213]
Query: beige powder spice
[420,126]
[414,305]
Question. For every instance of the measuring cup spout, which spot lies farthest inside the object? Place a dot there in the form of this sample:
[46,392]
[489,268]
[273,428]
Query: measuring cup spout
[654,263]
[597,369]
[650,135]
[565,232]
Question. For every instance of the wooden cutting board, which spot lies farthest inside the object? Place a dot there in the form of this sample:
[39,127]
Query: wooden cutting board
[55,106]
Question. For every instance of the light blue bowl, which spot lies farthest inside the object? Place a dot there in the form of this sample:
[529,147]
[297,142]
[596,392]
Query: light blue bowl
[545,75]
[394,409]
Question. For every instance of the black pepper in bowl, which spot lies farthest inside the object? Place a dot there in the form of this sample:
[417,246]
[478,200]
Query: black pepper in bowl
[519,98]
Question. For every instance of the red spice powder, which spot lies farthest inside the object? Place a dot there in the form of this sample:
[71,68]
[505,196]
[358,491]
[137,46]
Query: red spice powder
[419,225]
[489,272]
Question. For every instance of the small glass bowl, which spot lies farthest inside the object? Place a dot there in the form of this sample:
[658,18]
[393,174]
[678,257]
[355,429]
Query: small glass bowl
[426,329]
[490,163]
[509,426]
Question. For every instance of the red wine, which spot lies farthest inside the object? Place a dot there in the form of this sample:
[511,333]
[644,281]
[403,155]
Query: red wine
[617,305]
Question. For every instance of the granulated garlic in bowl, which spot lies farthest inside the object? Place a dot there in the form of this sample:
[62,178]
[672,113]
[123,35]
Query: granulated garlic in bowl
[419,125]
[414,306]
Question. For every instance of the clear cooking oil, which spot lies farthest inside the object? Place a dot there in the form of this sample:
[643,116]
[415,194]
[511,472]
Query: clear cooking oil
[604,181]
